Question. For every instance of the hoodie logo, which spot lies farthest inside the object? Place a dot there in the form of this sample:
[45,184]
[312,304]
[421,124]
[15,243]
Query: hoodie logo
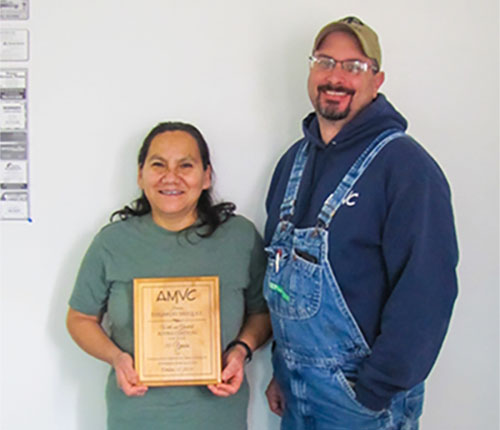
[351,199]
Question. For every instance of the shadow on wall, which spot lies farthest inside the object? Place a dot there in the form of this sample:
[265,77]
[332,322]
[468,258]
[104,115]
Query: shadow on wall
[259,373]
[78,371]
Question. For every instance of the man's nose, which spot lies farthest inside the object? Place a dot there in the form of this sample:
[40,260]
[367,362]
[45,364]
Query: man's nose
[336,74]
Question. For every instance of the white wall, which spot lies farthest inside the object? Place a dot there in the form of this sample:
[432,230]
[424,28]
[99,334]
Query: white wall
[102,73]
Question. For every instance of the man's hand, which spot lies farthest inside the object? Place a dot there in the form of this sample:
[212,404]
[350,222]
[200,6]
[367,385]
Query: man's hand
[275,398]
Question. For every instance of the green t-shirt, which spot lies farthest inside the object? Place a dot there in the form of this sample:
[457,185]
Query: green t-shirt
[138,248]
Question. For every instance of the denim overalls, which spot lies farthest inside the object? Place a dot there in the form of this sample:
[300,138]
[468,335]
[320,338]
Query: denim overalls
[319,345]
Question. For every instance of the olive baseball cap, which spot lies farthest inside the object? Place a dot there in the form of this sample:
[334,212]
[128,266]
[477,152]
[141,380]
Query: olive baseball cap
[366,36]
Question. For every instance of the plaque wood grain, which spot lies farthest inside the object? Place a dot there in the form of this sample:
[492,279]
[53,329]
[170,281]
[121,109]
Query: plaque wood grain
[177,330]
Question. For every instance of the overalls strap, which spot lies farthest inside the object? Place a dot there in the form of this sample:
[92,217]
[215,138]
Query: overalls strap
[336,199]
[287,208]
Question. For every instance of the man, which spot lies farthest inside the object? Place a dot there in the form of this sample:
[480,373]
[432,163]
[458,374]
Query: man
[362,252]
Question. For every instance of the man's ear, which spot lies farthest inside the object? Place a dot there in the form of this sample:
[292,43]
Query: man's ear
[379,80]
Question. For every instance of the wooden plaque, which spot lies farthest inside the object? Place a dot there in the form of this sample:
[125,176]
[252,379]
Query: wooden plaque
[177,331]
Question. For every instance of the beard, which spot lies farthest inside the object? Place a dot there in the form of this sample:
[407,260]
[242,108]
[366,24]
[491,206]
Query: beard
[330,110]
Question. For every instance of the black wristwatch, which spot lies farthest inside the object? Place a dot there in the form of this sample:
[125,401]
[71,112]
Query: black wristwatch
[244,345]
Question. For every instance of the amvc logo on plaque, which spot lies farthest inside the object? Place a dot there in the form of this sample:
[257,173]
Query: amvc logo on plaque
[188,294]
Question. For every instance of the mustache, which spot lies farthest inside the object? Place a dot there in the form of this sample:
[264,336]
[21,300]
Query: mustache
[328,87]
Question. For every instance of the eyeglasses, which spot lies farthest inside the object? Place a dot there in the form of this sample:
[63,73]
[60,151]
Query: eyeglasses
[353,67]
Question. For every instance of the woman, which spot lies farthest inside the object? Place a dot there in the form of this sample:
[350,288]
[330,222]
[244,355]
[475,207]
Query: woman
[172,230]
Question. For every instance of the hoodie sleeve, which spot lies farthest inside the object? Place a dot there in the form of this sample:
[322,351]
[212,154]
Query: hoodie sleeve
[420,251]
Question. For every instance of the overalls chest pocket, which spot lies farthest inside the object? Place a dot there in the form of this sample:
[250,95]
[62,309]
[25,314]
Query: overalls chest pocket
[292,286]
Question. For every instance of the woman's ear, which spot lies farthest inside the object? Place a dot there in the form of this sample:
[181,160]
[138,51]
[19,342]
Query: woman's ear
[139,178]
[207,180]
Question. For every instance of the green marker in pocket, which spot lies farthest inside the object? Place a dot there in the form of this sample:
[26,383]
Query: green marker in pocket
[280,290]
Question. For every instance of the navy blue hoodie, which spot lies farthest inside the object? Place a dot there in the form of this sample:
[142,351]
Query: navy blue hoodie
[394,252]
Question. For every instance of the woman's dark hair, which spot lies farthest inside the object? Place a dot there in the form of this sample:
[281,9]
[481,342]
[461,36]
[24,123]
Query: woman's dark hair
[210,215]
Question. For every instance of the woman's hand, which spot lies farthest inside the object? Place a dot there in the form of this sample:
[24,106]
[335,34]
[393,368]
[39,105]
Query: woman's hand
[232,374]
[255,331]
[126,376]
[275,398]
